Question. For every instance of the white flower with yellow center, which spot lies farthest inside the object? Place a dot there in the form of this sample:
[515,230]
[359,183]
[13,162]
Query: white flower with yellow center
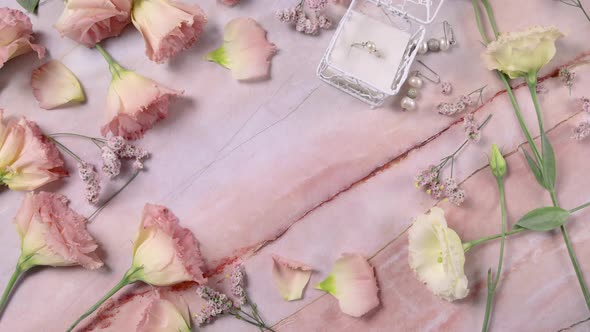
[436,255]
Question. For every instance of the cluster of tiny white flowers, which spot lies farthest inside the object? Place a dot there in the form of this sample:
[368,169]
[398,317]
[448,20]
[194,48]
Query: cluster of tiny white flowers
[471,128]
[308,21]
[117,148]
[237,285]
[91,181]
[217,304]
[567,77]
[582,131]
[446,88]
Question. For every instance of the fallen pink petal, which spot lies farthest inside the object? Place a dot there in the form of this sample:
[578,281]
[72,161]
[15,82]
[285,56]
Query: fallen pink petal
[168,27]
[245,50]
[16,35]
[290,277]
[55,85]
[352,281]
[91,21]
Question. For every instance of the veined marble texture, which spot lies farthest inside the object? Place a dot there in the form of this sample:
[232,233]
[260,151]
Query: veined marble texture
[291,166]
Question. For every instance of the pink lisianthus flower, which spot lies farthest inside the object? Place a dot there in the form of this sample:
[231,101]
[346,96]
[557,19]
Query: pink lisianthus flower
[165,314]
[51,234]
[90,21]
[16,35]
[168,27]
[164,254]
[134,104]
[28,159]
[245,50]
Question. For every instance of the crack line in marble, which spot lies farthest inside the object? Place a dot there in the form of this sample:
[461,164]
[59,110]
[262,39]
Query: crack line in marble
[417,147]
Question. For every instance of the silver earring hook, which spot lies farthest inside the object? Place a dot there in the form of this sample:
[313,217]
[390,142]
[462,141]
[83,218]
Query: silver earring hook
[435,79]
[449,33]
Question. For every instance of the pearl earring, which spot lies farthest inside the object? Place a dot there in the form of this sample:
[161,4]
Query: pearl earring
[439,44]
[415,83]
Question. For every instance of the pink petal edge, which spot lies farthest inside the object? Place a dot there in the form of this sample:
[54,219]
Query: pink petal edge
[55,85]
[290,277]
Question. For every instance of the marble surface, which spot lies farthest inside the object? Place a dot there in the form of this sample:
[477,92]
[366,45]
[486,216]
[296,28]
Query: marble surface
[291,166]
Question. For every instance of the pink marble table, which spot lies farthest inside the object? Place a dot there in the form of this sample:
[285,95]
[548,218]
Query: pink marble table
[291,166]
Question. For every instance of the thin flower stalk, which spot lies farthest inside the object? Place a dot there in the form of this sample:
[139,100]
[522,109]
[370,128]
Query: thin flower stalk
[531,81]
[577,4]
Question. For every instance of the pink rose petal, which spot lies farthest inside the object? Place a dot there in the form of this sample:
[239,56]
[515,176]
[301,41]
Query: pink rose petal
[134,104]
[352,281]
[16,35]
[90,21]
[290,277]
[53,233]
[245,51]
[55,85]
[168,27]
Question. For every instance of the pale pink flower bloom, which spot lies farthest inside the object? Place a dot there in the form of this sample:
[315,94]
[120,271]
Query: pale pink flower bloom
[134,104]
[16,35]
[53,234]
[230,3]
[245,51]
[352,281]
[290,277]
[165,252]
[167,26]
[54,85]
[165,314]
[90,21]
[28,159]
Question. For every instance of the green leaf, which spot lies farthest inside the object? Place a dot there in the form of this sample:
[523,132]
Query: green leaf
[534,168]
[29,5]
[544,219]
[549,167]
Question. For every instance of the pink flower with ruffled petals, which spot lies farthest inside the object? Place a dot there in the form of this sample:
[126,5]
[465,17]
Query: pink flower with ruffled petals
[168,27]
[16,35]
[52,234]
[90,21]
[164,313]
[164,252]
[134,104]
[245,51]
[28,159]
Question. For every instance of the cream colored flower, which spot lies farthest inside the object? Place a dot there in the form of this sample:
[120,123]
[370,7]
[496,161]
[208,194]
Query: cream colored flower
[436,255]
[523,53]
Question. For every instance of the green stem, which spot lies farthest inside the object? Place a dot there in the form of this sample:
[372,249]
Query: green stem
[127,279]
[479,22]
[18,272]
[583,10]
[491,17]
[532,87]
[578,208]
[469,245]
[494,284]
[65,148]
[114,67]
